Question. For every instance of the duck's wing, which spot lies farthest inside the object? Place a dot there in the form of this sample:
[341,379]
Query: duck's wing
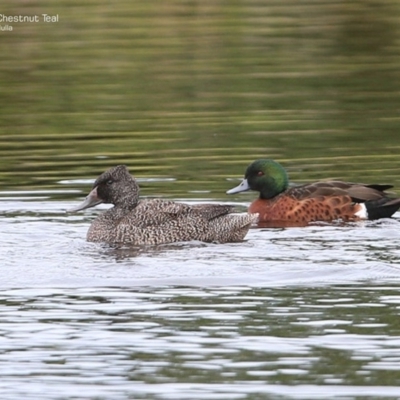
[158,212]
[155,212]
[211,211]
[358,192]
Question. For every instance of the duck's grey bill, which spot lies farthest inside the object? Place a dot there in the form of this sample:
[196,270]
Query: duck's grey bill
[91,200]
[244,185]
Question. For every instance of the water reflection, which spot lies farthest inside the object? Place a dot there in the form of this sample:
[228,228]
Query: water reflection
[42,245]
[187,94]
[175,342]
[196,91]
[120,252]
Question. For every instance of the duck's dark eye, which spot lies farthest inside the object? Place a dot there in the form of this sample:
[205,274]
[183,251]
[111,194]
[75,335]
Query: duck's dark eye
[110,182]
[260,173]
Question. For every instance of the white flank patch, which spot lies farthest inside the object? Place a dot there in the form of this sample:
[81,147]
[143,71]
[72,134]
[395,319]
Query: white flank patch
[363,214]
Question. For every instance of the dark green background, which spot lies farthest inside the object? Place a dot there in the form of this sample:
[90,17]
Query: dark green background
[195,90]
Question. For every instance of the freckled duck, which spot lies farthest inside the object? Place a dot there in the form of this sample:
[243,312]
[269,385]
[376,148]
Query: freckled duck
[319,201]
[157,221]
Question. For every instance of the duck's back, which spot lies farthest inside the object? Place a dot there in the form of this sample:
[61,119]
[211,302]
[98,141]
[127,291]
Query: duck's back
[326,201]
[159,221]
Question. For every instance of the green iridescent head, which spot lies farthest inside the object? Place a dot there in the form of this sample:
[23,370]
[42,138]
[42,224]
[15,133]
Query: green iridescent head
[265,176]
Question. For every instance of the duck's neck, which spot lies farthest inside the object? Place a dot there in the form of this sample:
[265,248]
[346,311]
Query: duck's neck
[272,188]
[125,204]
[117,212]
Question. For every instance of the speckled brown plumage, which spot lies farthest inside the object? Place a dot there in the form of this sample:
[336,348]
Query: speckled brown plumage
[321,201]
[287,208]
[156,221]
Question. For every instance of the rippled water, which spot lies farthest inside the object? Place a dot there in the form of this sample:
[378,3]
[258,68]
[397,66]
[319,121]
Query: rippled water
[195,343]
[305,313]
[187,94]
[44,245]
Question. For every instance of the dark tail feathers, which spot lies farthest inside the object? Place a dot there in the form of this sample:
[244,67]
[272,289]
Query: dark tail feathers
[382,208]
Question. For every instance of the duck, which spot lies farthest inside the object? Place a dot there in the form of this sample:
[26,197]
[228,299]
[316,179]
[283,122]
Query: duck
[325,201]
[157,221]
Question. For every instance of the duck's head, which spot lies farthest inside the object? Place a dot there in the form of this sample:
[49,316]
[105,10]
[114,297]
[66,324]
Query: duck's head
[265,176]
[114,186]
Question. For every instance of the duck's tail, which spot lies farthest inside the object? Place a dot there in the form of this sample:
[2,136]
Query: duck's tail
[382,208]
[234,227]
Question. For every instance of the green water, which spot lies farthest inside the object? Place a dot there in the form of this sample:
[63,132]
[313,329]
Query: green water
[195,90]
[189,93]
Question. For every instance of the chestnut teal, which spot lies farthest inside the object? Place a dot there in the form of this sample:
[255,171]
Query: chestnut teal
[327,201]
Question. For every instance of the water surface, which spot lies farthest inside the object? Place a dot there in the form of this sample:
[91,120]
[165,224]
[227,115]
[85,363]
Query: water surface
[288,313]
[187,94]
